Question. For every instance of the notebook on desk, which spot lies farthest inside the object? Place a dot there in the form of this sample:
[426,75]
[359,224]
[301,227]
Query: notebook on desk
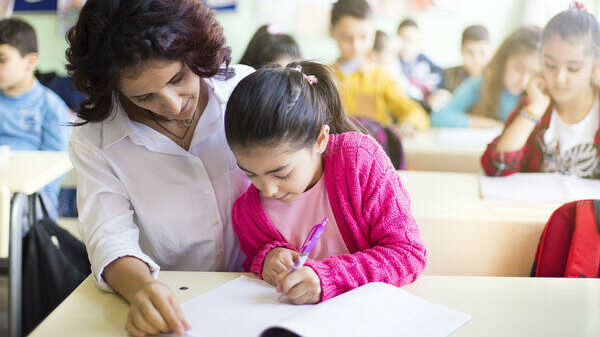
[538,187]
[251,307]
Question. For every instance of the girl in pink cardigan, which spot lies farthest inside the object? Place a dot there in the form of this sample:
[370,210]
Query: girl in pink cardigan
[289,133]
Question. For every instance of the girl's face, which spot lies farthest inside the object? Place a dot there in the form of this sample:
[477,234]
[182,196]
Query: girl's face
[283,172]
[518,70]
[167,88]
[567,67]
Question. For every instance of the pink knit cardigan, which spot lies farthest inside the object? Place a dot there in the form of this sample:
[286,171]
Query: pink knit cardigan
[372,211]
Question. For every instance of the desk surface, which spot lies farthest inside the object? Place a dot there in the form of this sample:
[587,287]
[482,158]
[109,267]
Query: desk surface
[457,196]
[499,306]
[424,152]
[28,171]
[466,235]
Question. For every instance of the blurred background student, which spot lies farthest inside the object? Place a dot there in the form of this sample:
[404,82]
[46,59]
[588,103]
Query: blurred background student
[486,102]
[475,50]
[270,46]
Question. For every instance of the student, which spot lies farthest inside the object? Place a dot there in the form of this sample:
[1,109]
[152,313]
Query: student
[289,133]
[475,51]
[269,46]
[421,71]
[556,129]
[368,90]
[485,102]
[385,55]
[32,117]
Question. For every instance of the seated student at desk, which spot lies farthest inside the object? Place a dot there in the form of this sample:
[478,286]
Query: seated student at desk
[289,133]
[485,102]
[32,117]
[558,130]
[156,179]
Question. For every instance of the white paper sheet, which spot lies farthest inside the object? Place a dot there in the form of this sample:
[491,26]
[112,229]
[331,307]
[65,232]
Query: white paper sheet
[538,187]
[467,136]
[247,307]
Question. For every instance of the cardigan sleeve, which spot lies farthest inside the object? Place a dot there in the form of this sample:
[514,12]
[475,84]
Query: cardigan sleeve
[396,254]
[255,240]
[497,163]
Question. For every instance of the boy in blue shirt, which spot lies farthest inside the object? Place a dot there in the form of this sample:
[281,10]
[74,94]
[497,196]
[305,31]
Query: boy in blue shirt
[32,117]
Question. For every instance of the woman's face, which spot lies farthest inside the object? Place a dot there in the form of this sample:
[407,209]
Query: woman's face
[518,70]
[167,88]
[567,67]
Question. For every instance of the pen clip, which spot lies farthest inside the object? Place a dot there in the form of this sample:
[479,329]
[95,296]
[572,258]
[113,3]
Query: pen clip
[313,236]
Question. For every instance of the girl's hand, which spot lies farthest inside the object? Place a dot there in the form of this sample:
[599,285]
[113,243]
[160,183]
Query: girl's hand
[155,309]
[438,99]
[538,96]
[302,286]
[277,263]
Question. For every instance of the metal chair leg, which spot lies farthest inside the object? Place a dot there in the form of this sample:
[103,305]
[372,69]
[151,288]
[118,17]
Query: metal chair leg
[15,261]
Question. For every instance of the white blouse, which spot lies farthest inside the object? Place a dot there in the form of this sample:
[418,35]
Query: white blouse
[140,194]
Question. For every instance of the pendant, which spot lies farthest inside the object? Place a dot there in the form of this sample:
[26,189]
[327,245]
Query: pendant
[188,122]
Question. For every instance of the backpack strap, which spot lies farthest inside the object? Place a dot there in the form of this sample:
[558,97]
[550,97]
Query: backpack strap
[584,253]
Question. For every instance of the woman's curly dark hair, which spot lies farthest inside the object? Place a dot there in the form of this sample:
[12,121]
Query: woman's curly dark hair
[116,36]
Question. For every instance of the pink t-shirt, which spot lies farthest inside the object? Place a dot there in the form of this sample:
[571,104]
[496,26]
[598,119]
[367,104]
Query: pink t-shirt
[295,219]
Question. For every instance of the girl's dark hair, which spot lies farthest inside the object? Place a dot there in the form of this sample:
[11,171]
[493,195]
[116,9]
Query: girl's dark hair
[266,47]
[116,37]
[276,105]
[574,23]
[525,40]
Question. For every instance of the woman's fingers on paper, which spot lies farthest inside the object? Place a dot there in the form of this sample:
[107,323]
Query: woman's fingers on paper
[167,320]
[142,324]
[177,306]
[132,329]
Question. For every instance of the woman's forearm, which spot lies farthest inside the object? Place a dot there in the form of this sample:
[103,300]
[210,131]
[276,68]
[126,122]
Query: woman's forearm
[127,275]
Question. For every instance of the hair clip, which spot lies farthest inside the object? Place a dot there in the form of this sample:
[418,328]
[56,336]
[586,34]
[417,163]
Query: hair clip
[311,79]
[578,5]
[273,30]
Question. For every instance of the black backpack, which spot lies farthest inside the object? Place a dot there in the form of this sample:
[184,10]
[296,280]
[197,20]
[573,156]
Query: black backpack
[54,264]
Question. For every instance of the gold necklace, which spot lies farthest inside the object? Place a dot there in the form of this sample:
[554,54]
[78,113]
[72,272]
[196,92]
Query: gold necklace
[187,122]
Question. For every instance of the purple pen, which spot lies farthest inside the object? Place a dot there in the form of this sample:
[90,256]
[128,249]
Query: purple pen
[311,241]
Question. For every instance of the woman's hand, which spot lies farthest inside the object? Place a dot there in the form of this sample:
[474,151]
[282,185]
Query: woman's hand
[155,309]
[277,263]
[303,286]
[538,96]
[406,130]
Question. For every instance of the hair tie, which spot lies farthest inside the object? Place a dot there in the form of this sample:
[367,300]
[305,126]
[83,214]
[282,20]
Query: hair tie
[273,30]
[311,79]
[578,5]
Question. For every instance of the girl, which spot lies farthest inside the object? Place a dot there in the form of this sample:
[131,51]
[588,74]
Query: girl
[269,46]
[556,129]
[492,97]
[290,134]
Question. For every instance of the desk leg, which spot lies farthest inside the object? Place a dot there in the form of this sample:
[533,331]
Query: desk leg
[15,264]
[4,221]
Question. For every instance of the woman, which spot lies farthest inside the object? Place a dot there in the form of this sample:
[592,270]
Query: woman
[156,177]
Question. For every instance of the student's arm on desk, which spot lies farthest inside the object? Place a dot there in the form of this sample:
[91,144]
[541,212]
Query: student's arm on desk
[111,238]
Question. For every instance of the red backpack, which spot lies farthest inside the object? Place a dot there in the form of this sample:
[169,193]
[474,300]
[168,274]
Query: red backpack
[570,243]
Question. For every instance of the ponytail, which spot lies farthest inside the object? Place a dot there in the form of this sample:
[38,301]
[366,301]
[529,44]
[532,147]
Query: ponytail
[275,105]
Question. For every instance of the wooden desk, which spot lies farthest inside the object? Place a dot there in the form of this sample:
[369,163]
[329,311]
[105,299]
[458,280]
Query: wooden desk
[25,172]
[499,306]
[424,152]
[465,235]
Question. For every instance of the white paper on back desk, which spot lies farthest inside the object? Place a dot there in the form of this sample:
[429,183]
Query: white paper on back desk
[251,308]
[539,187]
